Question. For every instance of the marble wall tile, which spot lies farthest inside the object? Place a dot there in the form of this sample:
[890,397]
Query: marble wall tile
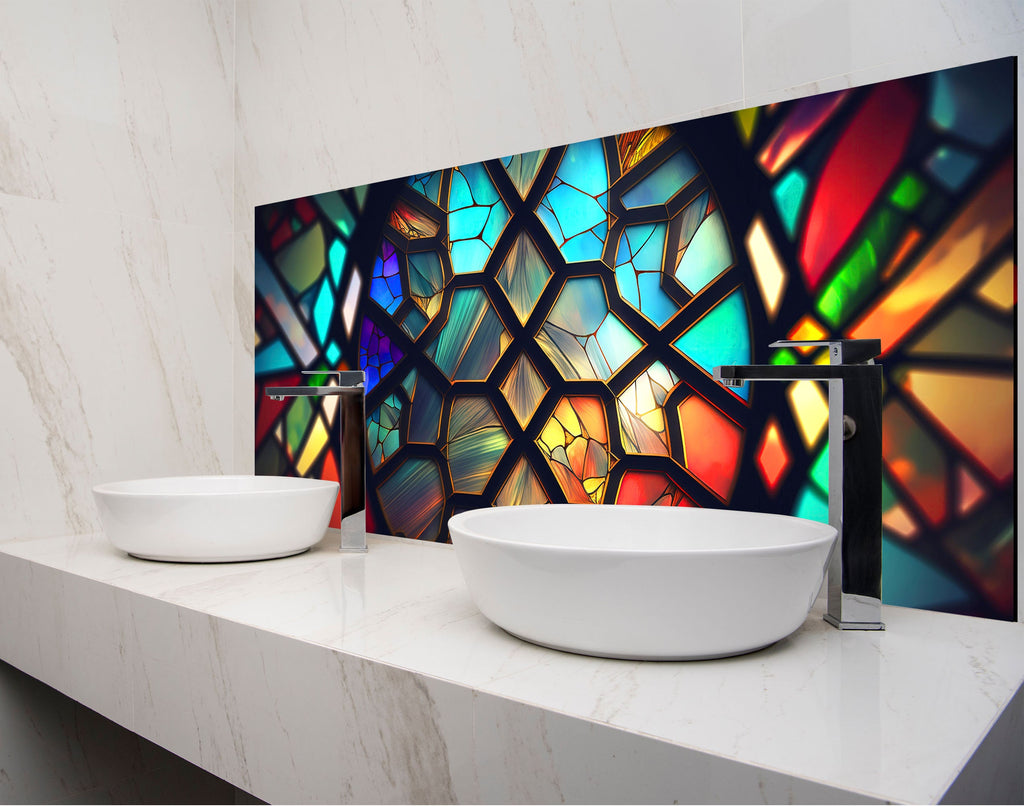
[115,343]
[120,106]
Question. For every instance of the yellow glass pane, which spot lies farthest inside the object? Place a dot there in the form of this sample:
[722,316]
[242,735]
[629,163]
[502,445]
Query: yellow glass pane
[314,447]
[1000,288]
[807,329]
[810,409]
[898,520]
[768,269]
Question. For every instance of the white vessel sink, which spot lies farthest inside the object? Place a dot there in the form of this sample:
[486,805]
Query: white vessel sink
[646,583]
[210,519]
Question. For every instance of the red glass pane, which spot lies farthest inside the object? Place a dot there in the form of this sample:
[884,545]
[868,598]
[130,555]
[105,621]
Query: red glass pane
[646,488]
[268,411]
[772,456]
[858,169]
[711,445]
[305,210]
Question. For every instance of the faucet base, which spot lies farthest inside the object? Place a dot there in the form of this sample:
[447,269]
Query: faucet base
[854,625]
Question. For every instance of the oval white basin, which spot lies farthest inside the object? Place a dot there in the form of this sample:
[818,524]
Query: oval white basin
[210,519]
[645,583]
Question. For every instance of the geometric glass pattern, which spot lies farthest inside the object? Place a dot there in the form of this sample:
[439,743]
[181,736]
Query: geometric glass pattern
[542,327]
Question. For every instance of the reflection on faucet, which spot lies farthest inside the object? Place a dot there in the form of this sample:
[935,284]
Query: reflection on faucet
[350,387]
[854,466]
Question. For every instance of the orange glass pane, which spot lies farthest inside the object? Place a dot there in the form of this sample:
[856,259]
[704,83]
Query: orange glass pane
[711,445]
[646,488]
[970,491]
[911,238]
[915,460]
[411,222]
[898,520]
[772,456]
[807,329]
[634,146]
[981,227]
[1000,287]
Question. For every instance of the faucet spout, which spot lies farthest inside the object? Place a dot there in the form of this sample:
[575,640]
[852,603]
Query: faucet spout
[350,386]
[855,469]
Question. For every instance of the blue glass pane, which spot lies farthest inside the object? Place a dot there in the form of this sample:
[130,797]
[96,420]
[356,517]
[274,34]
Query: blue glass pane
[721,336]
[707,256]
[575,208]
[476,217]
[638,271]
[663,183]
[951,166]
[385,284]
[273,358]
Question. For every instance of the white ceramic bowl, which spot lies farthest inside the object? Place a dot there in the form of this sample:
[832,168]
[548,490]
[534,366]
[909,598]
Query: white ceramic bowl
[647,583]
[208,519]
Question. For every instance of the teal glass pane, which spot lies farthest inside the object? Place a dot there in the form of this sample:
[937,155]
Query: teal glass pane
[476,441]
[412,499]
[360,192]
[708,254]
[425,414]
[788,196]
[273,358]
[382,433]
[638,271]
[336,255]
[581,306]
[575,209]
[470,343]
[721,336]
[819,471]
[522,169]
[612,346]
[333,353]
[476,217]
[414,323]
[951,166]
[323,310]
[910,581]
[975,102]
[334,207]
[428,185]
[662,183]
[811,505]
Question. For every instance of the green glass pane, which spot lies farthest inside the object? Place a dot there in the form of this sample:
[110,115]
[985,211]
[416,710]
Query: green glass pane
[662,183]
[425,415]
[273,358]
[476,441]
[788,195]
[721,336]
[819,471]
[470,343]
[784,356]
[302,260]
[909,192]
[296,422]
[335,208]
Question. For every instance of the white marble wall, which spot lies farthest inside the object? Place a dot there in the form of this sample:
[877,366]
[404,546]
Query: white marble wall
[116,314]
[332,95]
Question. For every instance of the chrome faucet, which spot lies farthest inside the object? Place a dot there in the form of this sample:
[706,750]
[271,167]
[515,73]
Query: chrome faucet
[350,386]
[854,467]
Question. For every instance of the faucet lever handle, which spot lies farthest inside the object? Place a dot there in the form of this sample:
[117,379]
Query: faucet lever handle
[841,351]
[345,378]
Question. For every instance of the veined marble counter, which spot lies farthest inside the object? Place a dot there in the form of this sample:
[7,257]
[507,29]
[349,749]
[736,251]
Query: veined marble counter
[373,678]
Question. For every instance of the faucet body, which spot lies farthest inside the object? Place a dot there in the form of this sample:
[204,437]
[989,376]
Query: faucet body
[350,388]
[855,470]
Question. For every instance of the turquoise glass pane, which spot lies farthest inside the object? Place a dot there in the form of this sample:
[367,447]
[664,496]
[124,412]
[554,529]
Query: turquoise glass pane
[414,323]
[575,209]
[336,260]
[662,183]
[383,437]
[469,345]
[975,102]
[788,195]
[910,581]
[811,505]
[616,344]
[721,336]
[333,353]
[323,309]
[819,471]
[273,358]
[951,166]
[428,185]
[638,271]
[708,254]
[476,217]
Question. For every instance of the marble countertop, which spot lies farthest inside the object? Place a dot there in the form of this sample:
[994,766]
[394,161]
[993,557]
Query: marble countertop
[235,665]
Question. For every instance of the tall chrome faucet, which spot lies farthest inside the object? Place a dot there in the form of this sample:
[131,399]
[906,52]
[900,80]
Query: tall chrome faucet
[854,467]
[350,386]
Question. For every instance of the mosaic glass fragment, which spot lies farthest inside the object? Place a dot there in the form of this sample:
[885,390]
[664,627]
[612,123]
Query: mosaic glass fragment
[711,445]
[772,456]
[426,281]
[522,169]
[721,336]
[788,197]
[383,437]
[575,208]
[769,272]
[425,409]
[336,255]
[323,311]
[476,217]
[967,332]
[800,125]
[377,354]
[522,487]
[296,424]
[689,220]
[472,340]
[908,580]
[634,146]
[970,491]
[975,102]
[746,122]
[1000,287]
[898,520]
[334,207]
[351,304]
[274,357]
[810,409]
[989,560]
[414,323]
[811,504]
[638,271]
[951,166]
[982,225]
[412,223]
[523,275]
[427,185]
[911,238]
[476,441]
[909,192]
[848,184]
[315,444]
[707,255]
[807,329]
[913,457]
[412,499]
[663,182]
[523,388]
[386,284]
[641,407]
[975,409]
[575,443]
[277,300]
[583,339]
[648,488]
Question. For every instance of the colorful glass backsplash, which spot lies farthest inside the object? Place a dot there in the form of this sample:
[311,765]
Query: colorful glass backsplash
[542,327]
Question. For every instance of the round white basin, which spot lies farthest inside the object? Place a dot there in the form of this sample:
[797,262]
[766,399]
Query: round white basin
[646,583]
[209,519]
